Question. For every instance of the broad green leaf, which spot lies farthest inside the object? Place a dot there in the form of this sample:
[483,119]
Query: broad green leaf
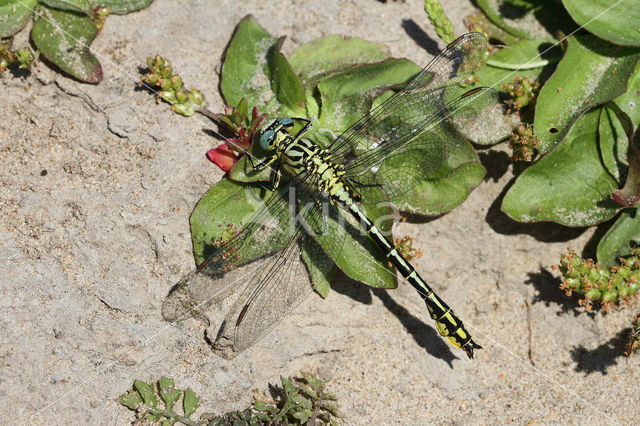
[526,54]
[320,267]
[615,128]
[223,209]
[629,101]
[492,10]
[347,96]
[64,39]
[450,183]
[528,18]
[245,68]
[617,21]
[14,15]
[620,238]
[331,54]
[440,195]
[614,139]
[569,186]
[361,259]
[591,72]
[121,7]
[82,6]
[286,85]
[190,402]
[482,23]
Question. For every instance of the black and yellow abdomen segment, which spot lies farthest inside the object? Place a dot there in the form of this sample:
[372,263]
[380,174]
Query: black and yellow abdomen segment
[447,323]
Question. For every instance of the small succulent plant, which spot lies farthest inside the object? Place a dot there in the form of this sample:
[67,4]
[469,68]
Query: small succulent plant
[301,400]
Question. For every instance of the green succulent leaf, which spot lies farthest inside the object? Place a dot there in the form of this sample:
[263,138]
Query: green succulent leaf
[614,130]
[245,71]
[623,235]
[320,267]
[121,7]
[361,259]
[190,402]
[526,54]
[64,38]
[528,18]
[82,6]
[591,72]
[319,58]
[227,204]
[615,21]
[14,15]
[569,186]
[286,85]
[347,96]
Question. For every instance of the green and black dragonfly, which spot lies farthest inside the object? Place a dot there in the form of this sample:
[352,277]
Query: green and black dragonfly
[385,154]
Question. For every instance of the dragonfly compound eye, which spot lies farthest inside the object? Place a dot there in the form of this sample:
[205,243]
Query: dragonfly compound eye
[266,139]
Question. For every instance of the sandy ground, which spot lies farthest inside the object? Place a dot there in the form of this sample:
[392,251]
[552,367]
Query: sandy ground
[97,183]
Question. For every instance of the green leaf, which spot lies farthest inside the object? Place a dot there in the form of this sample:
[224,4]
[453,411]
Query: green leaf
[225,207]
[347,96]
[64,39]
[620,238]
[121,7]
[131,399]
[444,193]
[190,402]
[629,101]
[244,71]
[14,15]
[332,54]
[286,84]
[569,186]
[613,131]
[526,54]
[321,268]
[528,18]
[81,6]
[616,21]
[361,259]
[147,393]
[591,72]
[168,392]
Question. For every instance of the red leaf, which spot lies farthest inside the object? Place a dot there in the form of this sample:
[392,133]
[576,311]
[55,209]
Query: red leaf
[223,157]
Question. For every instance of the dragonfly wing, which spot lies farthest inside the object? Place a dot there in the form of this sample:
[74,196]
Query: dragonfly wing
[279,286]
[409,158]
[437,83]
[231,262]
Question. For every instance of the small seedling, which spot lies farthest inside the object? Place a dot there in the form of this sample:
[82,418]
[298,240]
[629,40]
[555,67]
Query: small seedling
[301,400]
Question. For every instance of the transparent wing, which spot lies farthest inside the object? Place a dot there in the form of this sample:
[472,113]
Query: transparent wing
[390,169]
[404,112]
[276,288]
[235,261]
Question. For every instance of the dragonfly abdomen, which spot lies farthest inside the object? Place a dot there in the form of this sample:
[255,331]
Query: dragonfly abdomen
[447,322]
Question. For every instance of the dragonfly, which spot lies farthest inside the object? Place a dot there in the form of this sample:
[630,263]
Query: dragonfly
[385,154]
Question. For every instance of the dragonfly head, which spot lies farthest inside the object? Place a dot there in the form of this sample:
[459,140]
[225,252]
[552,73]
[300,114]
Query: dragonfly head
[274,132]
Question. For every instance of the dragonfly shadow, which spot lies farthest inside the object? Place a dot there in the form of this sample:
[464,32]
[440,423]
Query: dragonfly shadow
[421,38]
[422,333]
[425,335]
[548,291]
[541,231]
[602,357]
